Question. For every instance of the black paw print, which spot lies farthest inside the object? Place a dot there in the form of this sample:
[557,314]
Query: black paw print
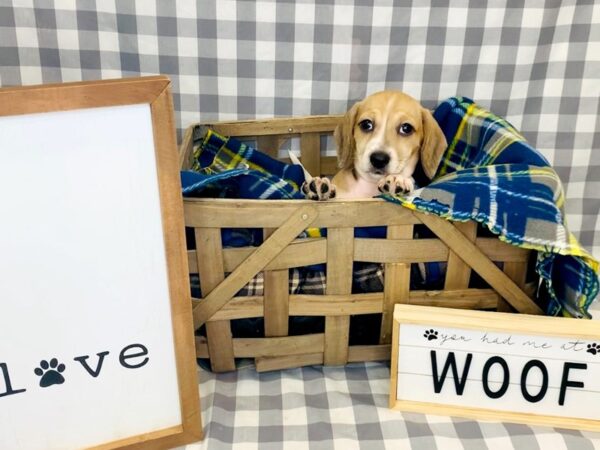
[593,348]
[431,335]
[50,372]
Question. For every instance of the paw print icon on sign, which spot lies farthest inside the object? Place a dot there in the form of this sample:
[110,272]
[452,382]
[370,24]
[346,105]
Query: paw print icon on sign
[50,372]
[431,335]
[593,348]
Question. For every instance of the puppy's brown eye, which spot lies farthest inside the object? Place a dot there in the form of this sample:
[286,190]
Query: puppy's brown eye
[366,125]
[406,129]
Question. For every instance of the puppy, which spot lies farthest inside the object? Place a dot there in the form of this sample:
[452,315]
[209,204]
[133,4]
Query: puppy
[379,143]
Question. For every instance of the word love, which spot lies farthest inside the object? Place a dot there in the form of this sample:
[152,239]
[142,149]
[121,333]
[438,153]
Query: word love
[133,356]
[531,397]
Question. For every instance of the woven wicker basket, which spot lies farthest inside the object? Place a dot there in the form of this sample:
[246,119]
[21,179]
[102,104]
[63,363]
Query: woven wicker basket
[282,221]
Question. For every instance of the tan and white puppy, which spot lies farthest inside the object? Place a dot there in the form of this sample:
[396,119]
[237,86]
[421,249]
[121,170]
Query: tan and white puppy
[379,143]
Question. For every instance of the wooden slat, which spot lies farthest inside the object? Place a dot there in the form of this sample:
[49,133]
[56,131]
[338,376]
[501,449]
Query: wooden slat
[355,354]
[288,362]
[329,165]
[201,347]
[278,346]
[276,302]
[396,282]
[358,353]
[473,256]
[516,271]
[230,213]
[340,251]
[209,259]
[186,149]
[210,268]
[399,250]
[269,347]
[238,308]
[429,250]
[269,145]
[456,299]
[220,346]
[458,272]
[337,335]
[531,288]
[310,153]
[276,298]
[304,252]
[497,250]
[300,219]
[335,305]
[301,252]
[357,304]
[282,126]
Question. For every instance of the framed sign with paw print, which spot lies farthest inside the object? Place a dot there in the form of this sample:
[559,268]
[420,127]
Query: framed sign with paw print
[97,346]
[496,366]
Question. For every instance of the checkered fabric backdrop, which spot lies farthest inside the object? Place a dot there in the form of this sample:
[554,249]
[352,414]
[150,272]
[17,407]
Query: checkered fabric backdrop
[346,408]
[536,62]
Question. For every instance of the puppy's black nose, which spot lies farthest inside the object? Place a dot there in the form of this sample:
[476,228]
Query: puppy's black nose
[379,159]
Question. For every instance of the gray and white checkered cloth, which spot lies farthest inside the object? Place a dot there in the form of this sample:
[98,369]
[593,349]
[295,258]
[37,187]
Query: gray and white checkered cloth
[347,408]
[536,63]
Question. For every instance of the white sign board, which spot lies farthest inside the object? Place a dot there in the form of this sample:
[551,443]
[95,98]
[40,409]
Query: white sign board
[89,355]
[495,366]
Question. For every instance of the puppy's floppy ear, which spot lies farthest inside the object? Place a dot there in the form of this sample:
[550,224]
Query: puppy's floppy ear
[433,146]
[344,138]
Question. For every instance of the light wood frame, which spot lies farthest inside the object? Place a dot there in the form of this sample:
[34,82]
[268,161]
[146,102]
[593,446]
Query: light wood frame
[457,244]
[156,92]
[492,322]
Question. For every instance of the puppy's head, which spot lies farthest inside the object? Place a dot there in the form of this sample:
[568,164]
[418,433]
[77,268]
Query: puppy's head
[387,133]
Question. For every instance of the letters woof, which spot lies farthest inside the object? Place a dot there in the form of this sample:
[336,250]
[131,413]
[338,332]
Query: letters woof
[522,377]
[495,370]
[496,366]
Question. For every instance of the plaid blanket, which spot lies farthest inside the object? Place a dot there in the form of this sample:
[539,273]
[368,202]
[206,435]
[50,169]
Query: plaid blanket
[233,169]
[490,174]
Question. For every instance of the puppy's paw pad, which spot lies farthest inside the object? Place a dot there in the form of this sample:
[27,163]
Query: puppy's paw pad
[396,184]
[319,189]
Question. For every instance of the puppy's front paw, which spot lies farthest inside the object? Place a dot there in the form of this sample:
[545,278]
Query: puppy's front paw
[319,189]
[396,184]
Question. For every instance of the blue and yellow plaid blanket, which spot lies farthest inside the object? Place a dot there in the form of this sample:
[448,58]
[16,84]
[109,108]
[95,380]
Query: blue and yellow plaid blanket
[489,174]
[228,168]
[232,169]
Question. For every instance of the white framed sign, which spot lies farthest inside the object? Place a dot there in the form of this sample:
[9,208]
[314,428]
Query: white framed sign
[496,366]
[97,342]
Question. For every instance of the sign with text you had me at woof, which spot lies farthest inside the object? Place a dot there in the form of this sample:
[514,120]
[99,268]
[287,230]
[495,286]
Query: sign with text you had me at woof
[496,366]
[96,345]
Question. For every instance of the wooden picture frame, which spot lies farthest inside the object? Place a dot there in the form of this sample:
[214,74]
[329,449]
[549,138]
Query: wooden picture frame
[83,98]
[535,370]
